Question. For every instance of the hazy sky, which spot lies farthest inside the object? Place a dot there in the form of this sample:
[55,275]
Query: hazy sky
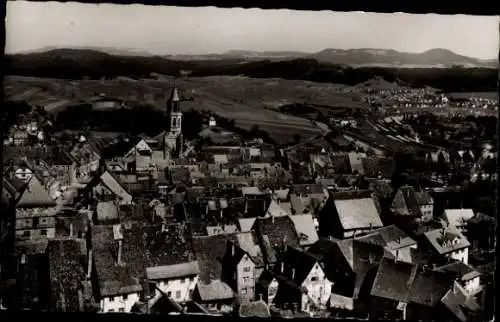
[177,30]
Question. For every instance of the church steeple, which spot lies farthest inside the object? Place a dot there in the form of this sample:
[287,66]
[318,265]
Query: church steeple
[174,113]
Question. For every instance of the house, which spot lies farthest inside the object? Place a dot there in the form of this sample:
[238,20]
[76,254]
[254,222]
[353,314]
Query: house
[415,205]
[224,229]
[468,277]
[215,296]
[106,186]
[350,264]
[159,304]
[279,232]
[460,305]
[448,243]
[356,162]
[35,211]
[107,211]
[239,272]
[302,282]
[406,291]
[254,309]
[266,287]
[274,209]
[393,240]
[458,217]
[119,272]
[306,229]
[348,214]
[87,156]
[261,254]
[67,276]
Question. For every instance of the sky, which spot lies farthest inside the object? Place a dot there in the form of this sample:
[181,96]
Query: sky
[178,30]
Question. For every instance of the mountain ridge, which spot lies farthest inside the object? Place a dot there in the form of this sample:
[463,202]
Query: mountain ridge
[437,57]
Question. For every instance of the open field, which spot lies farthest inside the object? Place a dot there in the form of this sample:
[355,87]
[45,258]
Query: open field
[240,98]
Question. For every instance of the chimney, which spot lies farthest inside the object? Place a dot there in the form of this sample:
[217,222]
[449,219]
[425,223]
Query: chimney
[293,273]
[206,209]
[120,250]
[399,239]
[246,206]
[272,219]
[89,265]
[282,267]
[397,254]
[71,230]
[266,267]
[233,249]
[371,226]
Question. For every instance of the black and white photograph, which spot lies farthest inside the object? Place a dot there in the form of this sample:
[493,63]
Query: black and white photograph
[231,162]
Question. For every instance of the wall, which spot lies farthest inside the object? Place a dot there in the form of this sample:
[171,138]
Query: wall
[119,303]
[461,255]
[320,289]
[179,289]
[427,212]
[472,285]
[25,222]
[245,279]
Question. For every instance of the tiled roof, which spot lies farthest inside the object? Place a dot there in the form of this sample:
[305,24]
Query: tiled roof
[446,240]
[35,195]
[296,265]
[66,274]
[210,251]
[116,279]
[107,210]
[358,213]
[458,217]
[281,194]
[306,230]
[391,236]
[280,230]
[459,302]
[406,202]
[214,290]
[246,224]
[173,271]
[256,309]
[252,191]
[308,189]
[249,243]
[356,161]
[458,269]
[275,209]
[224,229]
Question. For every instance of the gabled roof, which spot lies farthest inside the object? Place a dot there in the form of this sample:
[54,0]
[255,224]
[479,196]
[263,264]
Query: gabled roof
[406,202]
[306,229]
[296,265]
[214,290]
[173,271]
[358,213]
[210,251]
[275,210]
[66,274]
[280,230]
[391,237]
[249,243]
[246,224]
[459,302]
[446,240]
[35,195]
[458,217]
[458,269]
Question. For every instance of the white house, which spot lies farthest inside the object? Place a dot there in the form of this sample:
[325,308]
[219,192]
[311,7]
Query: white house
[177,281]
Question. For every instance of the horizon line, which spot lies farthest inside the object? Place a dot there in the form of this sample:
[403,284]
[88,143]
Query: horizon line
[145,51]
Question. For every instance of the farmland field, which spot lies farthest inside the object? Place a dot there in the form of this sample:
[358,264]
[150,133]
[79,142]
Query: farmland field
[240,98]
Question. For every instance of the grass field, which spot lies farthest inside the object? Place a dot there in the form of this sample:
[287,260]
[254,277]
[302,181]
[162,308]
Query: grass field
[240,98]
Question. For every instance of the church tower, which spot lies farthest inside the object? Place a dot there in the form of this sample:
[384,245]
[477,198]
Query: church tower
[174,113]
[173,140]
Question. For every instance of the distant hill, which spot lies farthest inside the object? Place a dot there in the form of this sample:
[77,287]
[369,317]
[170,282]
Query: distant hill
[81,63]
[437,58]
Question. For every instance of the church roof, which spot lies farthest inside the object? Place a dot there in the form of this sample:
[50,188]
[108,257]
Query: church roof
[174,97]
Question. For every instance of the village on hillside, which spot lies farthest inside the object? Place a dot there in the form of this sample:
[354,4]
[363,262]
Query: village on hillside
[375,216]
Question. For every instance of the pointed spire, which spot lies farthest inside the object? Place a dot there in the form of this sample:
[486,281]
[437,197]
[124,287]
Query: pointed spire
[174,97]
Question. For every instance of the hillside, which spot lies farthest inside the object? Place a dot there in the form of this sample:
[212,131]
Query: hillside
[86,63]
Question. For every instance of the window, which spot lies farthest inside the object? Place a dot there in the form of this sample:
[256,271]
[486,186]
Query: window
[43,232]
[314,278]
[111,310]
[26,233]
[36,221]
[169,294]
[247,269]
[246,279]
[125,297]
[183,281]
[178,294]
[111,299]
[243,291]
[121,309]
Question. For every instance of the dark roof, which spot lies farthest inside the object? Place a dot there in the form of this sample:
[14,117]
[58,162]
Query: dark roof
[406,202]
[280,231]
[341,163]
[307,189]
[258,309]
[210,251]
[179,175]
[407,282]
[116,279]
[35,194]
[66,274]
[193,194]
[297,265]
[458,269]
[159,245]
[389,236]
